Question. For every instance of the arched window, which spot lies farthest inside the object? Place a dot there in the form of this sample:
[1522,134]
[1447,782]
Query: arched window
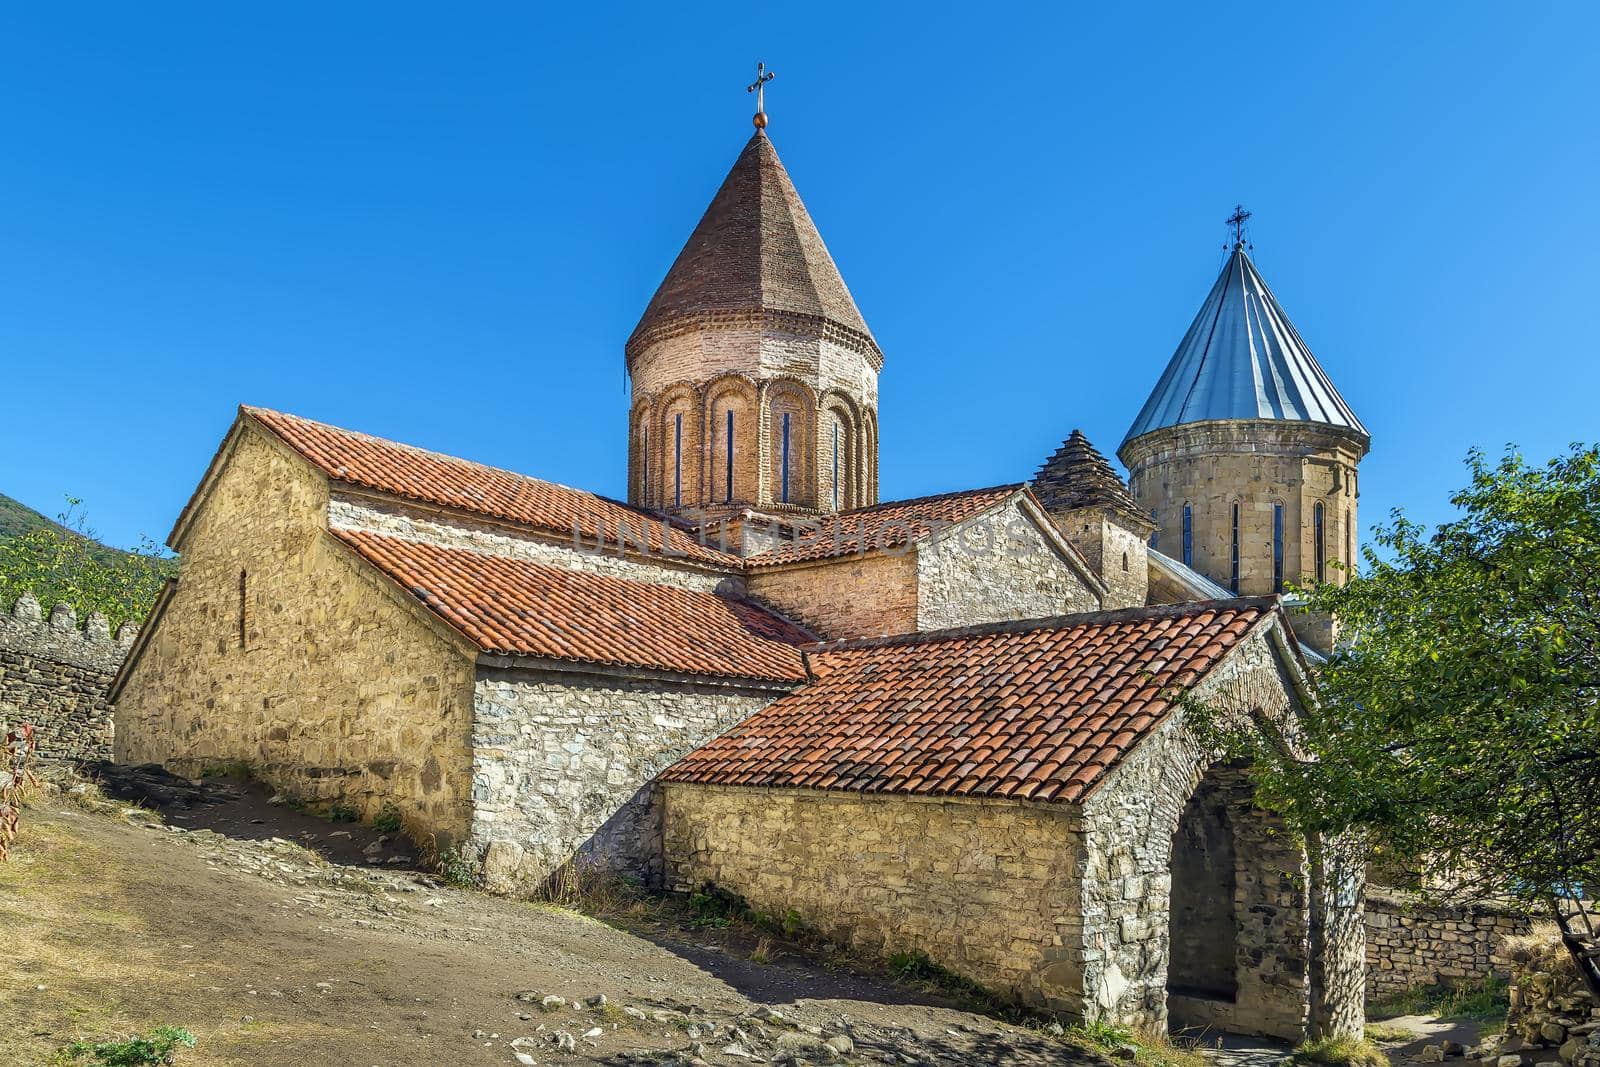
[727,477]
[677,460]
[783,462]
[1277,548]
[1124,562]
[835,478]
[1316,540]
[1188,536]
[1349,541]
[644,463]
[1233,574]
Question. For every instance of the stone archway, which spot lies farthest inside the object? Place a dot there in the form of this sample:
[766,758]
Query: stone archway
[1202,962]
[1236,948]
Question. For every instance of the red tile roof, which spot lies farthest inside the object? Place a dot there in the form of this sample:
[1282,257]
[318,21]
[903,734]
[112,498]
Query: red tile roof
[883,526]
[1036,710]
[519,608]
[433,478]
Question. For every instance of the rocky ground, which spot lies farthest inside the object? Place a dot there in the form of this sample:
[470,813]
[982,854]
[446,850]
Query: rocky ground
[280,938]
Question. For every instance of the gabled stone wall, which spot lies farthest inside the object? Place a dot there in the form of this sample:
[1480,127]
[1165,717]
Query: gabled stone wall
[54,675]
[563,762]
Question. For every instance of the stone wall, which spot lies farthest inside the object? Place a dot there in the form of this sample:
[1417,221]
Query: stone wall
[54,675]
[1210,466]
[415,523]
[562,764]
[997,567]
[988,889]
[279,649]
[1412,944]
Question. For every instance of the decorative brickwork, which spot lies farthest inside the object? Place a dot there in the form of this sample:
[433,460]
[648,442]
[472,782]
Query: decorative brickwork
[54,675]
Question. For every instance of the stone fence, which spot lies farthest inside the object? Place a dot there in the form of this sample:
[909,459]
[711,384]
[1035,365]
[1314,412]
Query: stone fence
[54,674]
[1411,944]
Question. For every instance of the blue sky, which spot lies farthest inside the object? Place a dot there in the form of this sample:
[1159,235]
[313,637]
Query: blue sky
[440,223]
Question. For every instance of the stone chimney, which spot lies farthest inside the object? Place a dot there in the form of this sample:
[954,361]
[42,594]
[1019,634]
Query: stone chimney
[1094,510]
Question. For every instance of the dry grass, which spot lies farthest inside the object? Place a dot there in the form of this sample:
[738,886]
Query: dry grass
[1339,1052]
[1540,950]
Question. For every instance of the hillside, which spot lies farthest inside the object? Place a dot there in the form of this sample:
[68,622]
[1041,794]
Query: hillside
[17,519]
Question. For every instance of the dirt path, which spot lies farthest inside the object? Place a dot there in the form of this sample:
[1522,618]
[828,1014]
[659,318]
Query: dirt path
[271,954]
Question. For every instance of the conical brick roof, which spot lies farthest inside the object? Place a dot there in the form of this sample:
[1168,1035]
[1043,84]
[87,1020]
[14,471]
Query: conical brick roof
[757,252]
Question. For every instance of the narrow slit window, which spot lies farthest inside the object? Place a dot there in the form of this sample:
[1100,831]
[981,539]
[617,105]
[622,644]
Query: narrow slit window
[244,588]
[783,468]
[1155,535]
[727,481]
[1188,536]
[677,461]
[644,462]
[1349,541]
[1316,536]
[835,464]
[1277,548]
[1233,573]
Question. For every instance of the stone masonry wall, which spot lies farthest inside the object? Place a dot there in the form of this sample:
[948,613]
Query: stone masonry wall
[1410,944]
[988,889]
[449,531]
[55,675]
[996,567]
[1212,465]
[562,765]
[279,649]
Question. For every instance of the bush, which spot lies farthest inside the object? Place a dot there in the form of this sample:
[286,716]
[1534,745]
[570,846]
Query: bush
[388,820]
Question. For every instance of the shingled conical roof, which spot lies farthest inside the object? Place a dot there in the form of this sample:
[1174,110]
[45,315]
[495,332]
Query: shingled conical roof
[1078,476]
[757,252]
[1243,359]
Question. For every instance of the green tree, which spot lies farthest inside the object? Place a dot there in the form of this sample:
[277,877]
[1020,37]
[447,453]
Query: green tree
[1458,725]
[66,564]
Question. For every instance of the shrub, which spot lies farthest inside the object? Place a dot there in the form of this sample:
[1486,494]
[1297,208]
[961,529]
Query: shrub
[156,1047]
[388,820]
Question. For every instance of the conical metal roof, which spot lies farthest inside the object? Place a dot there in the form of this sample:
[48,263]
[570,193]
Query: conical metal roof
[755,250]
[1243,359]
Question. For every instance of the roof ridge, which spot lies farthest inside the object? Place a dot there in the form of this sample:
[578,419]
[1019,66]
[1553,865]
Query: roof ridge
[255,411]
[1006,486]
[1052,622]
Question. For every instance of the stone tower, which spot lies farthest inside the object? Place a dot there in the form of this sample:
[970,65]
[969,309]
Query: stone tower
[1093,509]
[755,379]
[1245,455]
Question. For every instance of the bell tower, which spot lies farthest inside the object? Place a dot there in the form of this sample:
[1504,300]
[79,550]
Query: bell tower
[754,376]
[1245,456]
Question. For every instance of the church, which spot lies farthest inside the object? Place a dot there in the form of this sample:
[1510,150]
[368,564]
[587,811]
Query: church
[949,725]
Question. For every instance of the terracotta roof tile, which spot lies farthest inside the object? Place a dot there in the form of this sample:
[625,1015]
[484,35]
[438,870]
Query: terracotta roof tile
[949,714]
[434,478]
[890,525]
[515,607]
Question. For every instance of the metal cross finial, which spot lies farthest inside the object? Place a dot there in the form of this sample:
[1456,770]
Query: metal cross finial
[763,76]
[1237,221]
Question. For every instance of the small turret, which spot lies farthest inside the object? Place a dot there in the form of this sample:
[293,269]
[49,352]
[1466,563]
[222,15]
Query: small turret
[1094,510]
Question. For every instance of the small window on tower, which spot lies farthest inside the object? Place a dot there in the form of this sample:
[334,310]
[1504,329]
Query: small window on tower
[728,479]
[1233,575]
[677,461]
[1188,536]
[1316,537]
[1155,535]
[1277,548]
